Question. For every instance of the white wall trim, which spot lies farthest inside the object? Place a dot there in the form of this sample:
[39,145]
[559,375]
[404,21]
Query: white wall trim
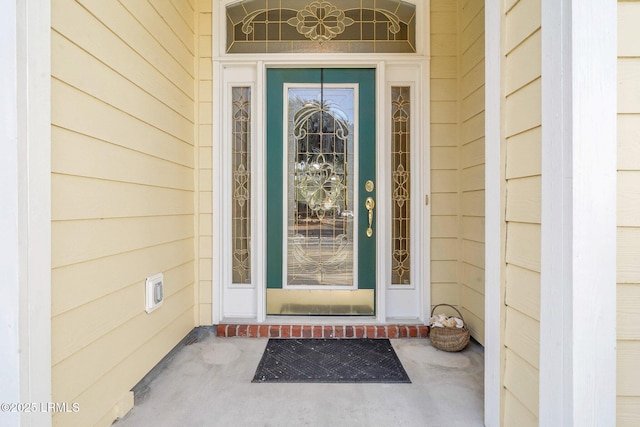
[25,249]
[493,212]
[578,279]
[9,258]
[555,305]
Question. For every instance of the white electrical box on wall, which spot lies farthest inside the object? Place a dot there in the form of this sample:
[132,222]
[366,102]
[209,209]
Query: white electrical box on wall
[154,291]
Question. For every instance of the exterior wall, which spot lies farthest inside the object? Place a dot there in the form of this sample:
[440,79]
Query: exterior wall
[204,160]
[628,278]
[522,133]
[471,94]
[122,196]
[457,158]
[445,153]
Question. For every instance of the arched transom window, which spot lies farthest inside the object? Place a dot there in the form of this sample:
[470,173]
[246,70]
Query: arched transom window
[348,26]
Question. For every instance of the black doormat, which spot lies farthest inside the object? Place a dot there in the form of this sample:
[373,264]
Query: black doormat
[330,361]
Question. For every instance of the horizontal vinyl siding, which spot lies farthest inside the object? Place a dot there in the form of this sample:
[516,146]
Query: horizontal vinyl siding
[472,165]
[445,154]
[123,121]
[205,160]
[522,88]
[628,277]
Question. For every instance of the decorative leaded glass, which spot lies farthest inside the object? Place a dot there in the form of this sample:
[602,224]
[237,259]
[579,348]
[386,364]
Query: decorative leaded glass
[320,229]
[241,203]
[400,185]
[353,26]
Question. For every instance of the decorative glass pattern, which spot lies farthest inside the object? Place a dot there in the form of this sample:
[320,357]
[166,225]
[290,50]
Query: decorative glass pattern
[320,187]
[241,165]
[289,26]
[401,185]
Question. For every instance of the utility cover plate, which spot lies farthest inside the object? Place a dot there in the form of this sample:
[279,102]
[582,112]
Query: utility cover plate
[154,292]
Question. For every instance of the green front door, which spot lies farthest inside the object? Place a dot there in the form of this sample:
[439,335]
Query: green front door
[321,191]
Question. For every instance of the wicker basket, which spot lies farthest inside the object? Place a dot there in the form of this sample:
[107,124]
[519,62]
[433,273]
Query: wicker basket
[449,339]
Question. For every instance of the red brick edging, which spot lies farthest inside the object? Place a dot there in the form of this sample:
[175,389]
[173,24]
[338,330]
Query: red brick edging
[322,331]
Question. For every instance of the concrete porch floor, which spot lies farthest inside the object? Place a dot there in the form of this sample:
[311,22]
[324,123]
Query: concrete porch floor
[208,383]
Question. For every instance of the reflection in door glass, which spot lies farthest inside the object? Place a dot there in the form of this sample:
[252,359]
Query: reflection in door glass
[320,187]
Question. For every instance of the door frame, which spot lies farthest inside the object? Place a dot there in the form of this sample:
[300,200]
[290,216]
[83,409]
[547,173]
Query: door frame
[248,301]
[391,69]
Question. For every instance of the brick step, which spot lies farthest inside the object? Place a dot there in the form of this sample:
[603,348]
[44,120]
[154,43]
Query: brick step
[322,331]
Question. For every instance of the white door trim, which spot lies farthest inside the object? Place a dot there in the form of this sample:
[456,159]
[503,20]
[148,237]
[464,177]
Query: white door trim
[579,151]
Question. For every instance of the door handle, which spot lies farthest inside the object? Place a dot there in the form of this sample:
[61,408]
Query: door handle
[369,204]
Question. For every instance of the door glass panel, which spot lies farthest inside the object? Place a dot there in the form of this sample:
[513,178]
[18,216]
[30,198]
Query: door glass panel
[241,205]
[356,26]
[320,187]
[401,185]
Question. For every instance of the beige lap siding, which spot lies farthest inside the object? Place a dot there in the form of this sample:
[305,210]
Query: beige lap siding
[123,121]
[204,162]
[471,80]
[445,153]
[522,132]
[457,158]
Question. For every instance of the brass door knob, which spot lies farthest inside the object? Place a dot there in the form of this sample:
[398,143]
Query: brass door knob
[369,204]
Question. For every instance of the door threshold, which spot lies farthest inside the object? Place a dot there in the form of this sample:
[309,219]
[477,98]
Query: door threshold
[319,330]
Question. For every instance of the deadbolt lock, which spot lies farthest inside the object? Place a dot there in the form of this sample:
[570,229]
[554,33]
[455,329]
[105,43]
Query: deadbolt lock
[369,186]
